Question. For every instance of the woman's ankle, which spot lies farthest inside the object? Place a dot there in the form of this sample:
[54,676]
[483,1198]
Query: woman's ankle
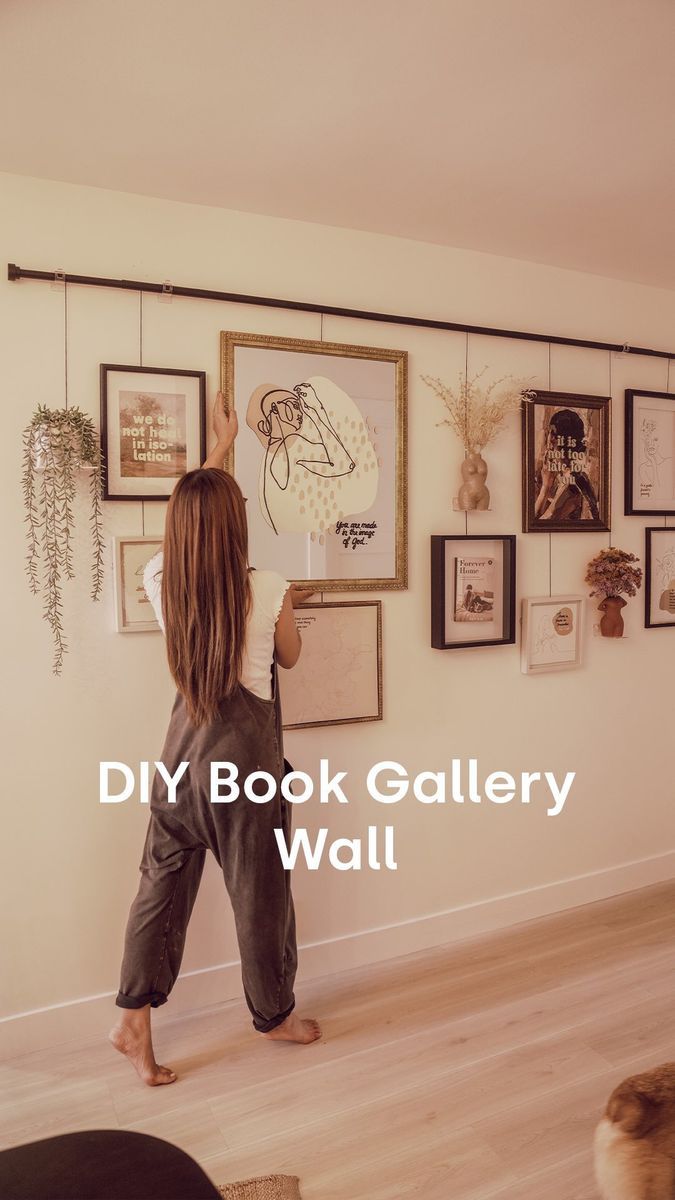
[134,1018]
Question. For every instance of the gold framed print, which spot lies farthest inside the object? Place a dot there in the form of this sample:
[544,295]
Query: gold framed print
[338,677]
[321,457]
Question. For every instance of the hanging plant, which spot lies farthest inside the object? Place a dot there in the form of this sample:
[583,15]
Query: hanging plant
[477,415]
[612,576]
[58,444]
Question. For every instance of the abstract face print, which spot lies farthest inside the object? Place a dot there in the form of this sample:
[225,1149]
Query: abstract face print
[318,463]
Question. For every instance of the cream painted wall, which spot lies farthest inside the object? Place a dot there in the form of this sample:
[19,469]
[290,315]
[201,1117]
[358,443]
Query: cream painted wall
[71,865]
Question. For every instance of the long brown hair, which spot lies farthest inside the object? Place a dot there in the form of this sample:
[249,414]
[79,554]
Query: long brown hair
[205,588]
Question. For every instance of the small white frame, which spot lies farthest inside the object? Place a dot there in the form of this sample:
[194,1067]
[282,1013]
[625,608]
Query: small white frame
[534,659]
[129,556]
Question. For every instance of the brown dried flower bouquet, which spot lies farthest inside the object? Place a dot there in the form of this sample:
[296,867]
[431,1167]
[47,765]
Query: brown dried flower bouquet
[612,576]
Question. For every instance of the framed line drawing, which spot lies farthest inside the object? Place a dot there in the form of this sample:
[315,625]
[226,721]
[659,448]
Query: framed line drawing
[659,578]
[650,453]
[566,463]
[152,429]
[321,457]
[133,610]
[552,633]
[338,678]
[473,590]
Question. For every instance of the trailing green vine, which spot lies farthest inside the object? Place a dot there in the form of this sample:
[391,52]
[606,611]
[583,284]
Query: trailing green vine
[56,445]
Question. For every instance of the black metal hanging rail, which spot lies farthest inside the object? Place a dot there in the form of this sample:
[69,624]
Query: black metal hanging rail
[134,285]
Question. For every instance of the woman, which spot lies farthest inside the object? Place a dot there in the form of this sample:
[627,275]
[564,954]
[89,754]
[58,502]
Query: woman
[225,625]
[564,484]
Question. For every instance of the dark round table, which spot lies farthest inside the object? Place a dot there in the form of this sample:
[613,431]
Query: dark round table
[102,1164]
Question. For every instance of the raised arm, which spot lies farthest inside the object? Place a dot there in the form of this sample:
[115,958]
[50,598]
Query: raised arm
[225,426]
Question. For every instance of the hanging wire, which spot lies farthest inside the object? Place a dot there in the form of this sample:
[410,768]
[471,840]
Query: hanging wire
[466,403]
[140,363]
[665,519]
[65,340]
[609,498]
[321,339]
[550,534]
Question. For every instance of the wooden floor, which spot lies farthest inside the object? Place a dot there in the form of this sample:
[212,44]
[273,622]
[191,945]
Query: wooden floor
[472,1071]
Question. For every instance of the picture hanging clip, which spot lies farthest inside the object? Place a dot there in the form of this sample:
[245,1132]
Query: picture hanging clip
[166,294]
[59,280]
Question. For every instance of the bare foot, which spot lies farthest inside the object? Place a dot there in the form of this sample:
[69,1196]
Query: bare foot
[295,1029]
[132,1038]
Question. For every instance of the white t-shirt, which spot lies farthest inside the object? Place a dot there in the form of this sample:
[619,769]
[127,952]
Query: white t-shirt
[267,596]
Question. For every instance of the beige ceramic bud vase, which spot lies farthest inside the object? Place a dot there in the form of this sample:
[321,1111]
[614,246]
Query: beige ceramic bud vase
[611,624]
[473,493]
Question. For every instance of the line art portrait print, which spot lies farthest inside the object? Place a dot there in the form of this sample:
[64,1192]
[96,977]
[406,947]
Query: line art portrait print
[650,453]
[321,457]
[319,462]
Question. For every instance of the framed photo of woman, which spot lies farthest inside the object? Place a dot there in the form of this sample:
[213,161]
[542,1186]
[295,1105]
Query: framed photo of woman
[321,458]
[566,463]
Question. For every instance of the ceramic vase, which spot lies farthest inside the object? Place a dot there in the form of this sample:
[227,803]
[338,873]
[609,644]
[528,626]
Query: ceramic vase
[41,450]
[473,493]
[611,624]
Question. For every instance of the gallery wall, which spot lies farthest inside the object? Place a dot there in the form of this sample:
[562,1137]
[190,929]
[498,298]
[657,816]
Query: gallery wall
[71,864]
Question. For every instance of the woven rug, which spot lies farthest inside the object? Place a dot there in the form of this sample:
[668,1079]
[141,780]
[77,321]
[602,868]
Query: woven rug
[268,1187]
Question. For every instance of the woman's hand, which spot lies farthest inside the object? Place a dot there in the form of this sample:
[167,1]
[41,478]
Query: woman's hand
[225,427]
[225,423]
[299,595]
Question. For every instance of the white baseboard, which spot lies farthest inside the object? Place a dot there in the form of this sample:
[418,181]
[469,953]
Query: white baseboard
[92,1015]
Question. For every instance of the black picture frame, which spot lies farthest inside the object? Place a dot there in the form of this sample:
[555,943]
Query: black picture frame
[440,591]
[632,506]
[651,535]
[534,523]
[197,442]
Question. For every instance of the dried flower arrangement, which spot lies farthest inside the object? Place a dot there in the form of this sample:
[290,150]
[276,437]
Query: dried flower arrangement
[612,576]
[476,414]
[57,444]
[611,573]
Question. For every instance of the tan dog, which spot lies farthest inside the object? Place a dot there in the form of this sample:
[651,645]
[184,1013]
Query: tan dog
[635,1140]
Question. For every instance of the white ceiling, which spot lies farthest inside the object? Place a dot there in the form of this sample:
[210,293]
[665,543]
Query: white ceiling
[538,129]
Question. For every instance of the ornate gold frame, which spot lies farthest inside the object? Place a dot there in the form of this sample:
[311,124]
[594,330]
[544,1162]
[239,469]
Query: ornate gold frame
[229,341]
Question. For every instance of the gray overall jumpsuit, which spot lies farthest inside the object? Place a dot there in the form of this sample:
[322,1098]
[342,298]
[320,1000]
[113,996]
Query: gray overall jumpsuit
[241,836]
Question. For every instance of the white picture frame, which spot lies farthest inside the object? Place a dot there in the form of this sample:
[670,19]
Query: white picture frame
[133,610]
[552,633]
